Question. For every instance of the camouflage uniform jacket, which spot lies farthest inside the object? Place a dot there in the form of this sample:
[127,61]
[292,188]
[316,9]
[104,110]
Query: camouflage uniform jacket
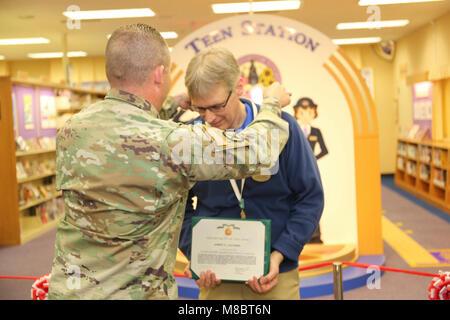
[125,194]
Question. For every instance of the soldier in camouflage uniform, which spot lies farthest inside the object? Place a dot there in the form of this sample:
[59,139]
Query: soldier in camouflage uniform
[124,186]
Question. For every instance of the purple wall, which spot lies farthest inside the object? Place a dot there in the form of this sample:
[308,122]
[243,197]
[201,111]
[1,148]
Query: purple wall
[20,91]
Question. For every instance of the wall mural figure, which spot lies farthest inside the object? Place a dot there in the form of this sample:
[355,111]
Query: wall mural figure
[305,111]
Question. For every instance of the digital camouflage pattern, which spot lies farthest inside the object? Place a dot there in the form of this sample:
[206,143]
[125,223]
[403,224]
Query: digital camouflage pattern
[125,194]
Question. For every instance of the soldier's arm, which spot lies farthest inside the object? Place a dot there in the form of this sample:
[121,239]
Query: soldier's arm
[168,109]
[212,154]
[171,104]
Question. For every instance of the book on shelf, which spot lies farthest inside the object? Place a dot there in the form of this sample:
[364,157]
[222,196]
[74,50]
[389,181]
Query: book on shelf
[412,151]
[421,134]
[424,172]
[411,168]
[440,178]
[401,163]
[412,131]
[425,153]
[437,157]
[401,148]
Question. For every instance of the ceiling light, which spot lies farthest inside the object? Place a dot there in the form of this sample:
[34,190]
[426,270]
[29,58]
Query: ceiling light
[17,41]
[356,40]
[109,14]
[46,55]
[255,6]
[372,24]
[169,35]
[382,2]
[2,57]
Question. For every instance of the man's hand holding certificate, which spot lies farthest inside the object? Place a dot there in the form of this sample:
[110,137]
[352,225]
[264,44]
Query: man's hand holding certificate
[230,250]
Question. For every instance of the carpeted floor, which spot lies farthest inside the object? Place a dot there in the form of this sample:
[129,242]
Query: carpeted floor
[429,226]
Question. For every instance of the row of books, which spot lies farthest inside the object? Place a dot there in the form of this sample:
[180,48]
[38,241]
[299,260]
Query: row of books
[26,168]
[43,143]
[49,210]
[29,192]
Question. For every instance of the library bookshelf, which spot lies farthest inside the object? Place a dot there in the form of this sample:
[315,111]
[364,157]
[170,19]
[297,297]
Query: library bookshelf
[422,169]
[30,203]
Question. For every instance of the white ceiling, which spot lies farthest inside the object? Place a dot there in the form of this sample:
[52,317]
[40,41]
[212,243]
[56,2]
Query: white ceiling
[43,18]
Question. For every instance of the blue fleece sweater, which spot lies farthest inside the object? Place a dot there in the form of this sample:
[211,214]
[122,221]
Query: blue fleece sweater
[292,199]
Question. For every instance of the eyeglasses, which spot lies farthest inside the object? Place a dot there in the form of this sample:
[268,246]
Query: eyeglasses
[215,108]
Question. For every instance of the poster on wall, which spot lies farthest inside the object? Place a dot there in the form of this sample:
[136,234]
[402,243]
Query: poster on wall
[28,111]
[48,112]
[422,105]
[299,57]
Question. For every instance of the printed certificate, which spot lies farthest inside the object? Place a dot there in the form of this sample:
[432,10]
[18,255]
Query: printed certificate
[234,249]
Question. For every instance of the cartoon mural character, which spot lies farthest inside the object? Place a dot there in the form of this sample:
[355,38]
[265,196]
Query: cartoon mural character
[305,111]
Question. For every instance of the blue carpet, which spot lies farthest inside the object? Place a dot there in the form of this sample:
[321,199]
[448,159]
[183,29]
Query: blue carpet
[388,181]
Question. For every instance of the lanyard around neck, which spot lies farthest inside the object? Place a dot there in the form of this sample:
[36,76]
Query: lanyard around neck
[234,183]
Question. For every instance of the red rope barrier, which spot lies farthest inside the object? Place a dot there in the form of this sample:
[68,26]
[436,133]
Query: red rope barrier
[19,278]
[364,265]
[313,266]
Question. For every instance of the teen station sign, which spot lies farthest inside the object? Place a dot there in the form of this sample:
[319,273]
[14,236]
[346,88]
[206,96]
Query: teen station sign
[250,28]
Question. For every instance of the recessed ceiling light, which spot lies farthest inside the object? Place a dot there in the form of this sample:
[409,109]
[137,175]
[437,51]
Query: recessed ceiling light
[372,24]
[255,6]
[19,41]
[109,14]
[47,55]
[383,2]
[356,40]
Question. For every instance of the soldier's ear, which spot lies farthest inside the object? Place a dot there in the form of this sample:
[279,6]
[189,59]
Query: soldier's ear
[158,75]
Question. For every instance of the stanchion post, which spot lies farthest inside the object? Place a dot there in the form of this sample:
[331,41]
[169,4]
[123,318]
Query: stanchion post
[337,278]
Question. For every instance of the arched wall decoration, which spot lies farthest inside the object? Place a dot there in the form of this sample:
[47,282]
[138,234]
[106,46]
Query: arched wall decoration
[311,65]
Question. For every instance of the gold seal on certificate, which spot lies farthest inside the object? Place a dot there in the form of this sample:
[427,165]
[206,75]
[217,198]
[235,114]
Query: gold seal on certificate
[234,249]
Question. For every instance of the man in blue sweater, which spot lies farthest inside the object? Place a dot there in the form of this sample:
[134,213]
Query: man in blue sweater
[292,197]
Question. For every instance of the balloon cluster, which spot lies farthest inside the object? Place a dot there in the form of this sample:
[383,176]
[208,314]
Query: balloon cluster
[39,289]
[439,288]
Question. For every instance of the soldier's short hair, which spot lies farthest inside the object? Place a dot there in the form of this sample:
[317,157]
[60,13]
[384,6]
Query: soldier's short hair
[132,52]
[211,67]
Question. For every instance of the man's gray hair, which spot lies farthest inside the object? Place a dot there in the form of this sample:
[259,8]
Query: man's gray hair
[211,67]
[132,52]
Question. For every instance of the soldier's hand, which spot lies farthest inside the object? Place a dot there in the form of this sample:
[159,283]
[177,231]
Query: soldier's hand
[183,101]
[277,90]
